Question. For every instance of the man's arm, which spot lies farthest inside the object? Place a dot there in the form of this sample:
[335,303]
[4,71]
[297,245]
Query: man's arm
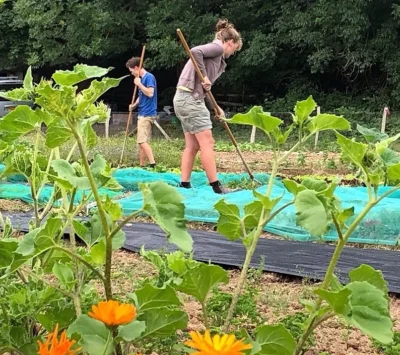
[135,104]
[148,91]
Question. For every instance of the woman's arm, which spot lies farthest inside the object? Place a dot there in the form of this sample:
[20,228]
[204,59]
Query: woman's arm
[209,50]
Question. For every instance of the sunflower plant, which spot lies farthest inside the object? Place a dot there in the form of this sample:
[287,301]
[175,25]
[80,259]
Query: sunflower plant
[363,302]
[60,188]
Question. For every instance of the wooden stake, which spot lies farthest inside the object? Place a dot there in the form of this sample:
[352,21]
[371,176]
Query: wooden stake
[386,112]
[317,134]
[253,134]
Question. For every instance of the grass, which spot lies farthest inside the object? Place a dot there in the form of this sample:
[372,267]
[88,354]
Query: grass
[168,153]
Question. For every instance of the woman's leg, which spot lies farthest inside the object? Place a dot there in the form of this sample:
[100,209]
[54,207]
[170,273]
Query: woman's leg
[188,157]
[206,142]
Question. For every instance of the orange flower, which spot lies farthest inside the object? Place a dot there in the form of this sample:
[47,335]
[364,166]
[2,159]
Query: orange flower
[53,346]
[112,313]
[225,345]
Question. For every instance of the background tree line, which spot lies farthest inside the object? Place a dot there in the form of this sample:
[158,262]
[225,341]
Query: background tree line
[345,53]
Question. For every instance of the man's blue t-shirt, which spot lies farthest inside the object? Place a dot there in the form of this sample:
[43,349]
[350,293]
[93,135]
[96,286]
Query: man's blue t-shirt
[148,105]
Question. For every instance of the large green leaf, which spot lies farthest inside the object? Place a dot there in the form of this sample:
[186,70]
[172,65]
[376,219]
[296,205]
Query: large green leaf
[267,202]
[162,322]
[252,216]
[352,150]
[389,156]
[164,204]
[66,172]
[199,281]
[96,89]
[337,300]
[149,297]
[258,118]
[98,253]
[179,264]
[370,311]
[311,213]
[314,184]
[18,122]
[369,274]
[280,137]
[323,122]
[274,340]
[231,225]
[28,80]
[80,73]
[303,109]
[393,172]
[94,335]
[7,248]
[229,222]
[57,133]
[371,135]
[293,187]
[64,274]
[40,239]
[57,101]
[18,94]
[131,331]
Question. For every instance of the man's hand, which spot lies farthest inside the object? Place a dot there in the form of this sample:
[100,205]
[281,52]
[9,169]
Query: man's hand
[132,107]
[206,84]
[137,81]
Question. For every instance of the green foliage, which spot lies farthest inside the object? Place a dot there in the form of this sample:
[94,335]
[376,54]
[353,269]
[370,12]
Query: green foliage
[273,340]
[41,253]
[391,349]
[295,324]
[246,311]
[60,33]
[164,204]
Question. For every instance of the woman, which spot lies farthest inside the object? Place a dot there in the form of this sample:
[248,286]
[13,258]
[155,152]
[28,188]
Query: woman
[192,106]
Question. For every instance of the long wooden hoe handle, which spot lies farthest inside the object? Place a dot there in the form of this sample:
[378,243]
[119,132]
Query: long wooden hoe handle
[130,111]
[216,107]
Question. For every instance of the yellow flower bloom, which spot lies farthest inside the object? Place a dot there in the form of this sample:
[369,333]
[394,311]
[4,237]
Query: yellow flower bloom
[218,345]
[55,346]
[112,313]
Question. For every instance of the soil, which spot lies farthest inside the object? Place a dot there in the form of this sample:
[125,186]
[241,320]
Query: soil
[14,206]
[278,296]
[307,163]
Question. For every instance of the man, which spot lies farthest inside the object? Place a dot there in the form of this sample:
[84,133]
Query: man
[147,109]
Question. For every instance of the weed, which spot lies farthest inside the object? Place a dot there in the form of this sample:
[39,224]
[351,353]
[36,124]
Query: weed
[301,160]
[246,312]
[294,323]
[391,349]
[330,164]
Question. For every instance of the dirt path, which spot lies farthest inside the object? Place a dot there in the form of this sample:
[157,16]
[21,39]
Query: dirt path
[307,163]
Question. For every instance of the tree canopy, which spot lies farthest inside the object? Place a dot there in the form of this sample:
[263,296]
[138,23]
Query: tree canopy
[344,49]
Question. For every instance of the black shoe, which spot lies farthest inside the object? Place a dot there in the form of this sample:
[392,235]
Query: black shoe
[219,189]
[185,185]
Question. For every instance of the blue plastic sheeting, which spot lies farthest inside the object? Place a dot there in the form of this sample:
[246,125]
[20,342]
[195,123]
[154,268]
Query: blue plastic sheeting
[17,191]
[380,226]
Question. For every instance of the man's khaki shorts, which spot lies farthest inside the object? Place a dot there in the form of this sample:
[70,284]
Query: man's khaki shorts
[144,126]
[193,114]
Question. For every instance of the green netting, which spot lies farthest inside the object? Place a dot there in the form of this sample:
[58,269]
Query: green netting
[381,225]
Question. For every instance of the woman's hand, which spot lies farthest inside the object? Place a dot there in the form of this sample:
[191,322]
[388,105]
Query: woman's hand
[206,84]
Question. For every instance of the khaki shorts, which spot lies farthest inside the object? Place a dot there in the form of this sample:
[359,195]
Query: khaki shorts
[193,114]
[144,128]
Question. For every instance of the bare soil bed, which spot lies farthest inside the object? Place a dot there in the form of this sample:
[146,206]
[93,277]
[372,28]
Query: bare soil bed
[277,297]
